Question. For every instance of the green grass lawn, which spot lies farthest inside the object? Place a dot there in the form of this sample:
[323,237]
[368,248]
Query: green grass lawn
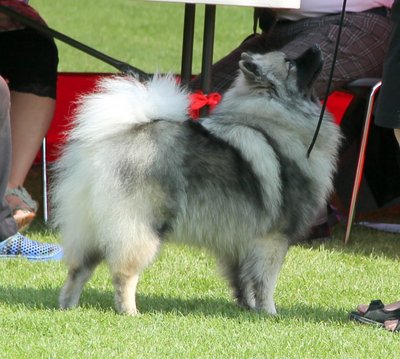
[147,35]
[187,311]
[186,308]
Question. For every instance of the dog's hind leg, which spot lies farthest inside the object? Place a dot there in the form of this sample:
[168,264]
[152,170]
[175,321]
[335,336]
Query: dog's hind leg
[267,261]
[126,266]
[125,292]
[78,275]
[242,289]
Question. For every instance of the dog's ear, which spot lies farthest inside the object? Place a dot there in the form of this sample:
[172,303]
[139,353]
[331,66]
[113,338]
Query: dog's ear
[250,69]
[309,65]
[254,74]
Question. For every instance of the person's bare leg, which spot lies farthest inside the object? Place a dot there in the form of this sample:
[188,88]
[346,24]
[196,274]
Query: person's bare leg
[391,325]
[31,116]
[362,308]
[397,134]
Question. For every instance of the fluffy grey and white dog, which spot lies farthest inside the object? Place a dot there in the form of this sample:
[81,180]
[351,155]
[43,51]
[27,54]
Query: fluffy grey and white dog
[136,173]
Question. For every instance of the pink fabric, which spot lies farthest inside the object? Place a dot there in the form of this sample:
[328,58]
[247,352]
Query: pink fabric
[20,6]
[315,8]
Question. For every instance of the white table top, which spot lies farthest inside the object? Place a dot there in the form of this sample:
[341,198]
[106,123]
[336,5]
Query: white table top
[289,4]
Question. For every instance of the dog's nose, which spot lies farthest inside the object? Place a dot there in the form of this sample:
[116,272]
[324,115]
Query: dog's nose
[245,56]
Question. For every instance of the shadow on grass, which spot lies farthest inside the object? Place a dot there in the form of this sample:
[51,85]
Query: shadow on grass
[210,307]
[363,241]
[46,299]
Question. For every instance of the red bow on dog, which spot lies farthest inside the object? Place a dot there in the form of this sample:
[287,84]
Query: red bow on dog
[198,100]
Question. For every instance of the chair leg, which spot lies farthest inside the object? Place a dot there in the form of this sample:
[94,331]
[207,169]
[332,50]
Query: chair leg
[361,160]
[44,180]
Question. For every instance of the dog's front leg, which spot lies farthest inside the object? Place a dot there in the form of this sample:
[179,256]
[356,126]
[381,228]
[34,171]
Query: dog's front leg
[269,254]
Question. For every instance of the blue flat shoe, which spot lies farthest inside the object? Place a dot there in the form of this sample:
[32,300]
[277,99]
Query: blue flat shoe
[18,246]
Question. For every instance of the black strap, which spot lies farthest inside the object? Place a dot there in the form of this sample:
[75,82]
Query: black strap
[119,65]
[321,116]
[263,18]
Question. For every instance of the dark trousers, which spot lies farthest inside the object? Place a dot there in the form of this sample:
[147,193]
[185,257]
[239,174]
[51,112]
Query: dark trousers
[387,113]
[362,48]
[8,227]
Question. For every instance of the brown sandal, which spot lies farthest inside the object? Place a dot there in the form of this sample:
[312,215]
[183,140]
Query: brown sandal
[24,211]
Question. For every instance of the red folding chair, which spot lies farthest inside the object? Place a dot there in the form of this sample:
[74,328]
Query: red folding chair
[374,85]
[70,86]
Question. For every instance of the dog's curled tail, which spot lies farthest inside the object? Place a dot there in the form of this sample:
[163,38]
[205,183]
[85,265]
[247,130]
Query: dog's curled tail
[122,101]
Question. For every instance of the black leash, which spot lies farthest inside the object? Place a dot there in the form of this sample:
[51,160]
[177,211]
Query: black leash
[321,116]
[119,65]
[143,76]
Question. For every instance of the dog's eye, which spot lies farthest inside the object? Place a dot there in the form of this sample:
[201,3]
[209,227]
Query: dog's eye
[289,64]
